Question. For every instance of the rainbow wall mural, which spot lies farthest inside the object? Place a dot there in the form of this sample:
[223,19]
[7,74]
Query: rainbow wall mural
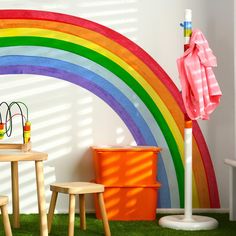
[125,77]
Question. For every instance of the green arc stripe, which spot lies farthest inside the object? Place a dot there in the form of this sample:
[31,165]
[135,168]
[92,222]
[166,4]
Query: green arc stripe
[124,76]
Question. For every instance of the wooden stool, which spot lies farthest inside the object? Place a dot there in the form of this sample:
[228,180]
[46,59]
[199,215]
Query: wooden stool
[77,188]
[5,218]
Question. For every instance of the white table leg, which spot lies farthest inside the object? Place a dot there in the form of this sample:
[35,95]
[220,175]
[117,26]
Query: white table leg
[41,198]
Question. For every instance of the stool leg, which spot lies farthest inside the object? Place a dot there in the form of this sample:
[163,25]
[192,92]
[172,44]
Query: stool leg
[82,211]
[71,215]
[104,215]
[6,222]
[52,209]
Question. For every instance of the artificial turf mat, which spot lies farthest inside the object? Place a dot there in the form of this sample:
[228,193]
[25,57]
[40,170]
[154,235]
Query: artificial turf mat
[30,227]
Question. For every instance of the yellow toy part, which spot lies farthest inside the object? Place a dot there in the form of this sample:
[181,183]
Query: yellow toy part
[27,128]
[2,131]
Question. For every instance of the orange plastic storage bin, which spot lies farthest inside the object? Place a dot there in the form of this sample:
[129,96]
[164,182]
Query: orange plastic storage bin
[129,175]
[125,165]
[129,203]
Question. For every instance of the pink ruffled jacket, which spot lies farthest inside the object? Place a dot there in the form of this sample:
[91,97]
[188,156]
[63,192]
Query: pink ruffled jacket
[200,90]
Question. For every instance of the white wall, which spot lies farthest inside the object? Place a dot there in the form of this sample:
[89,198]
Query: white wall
[68,119]
[220,128]
[234,78]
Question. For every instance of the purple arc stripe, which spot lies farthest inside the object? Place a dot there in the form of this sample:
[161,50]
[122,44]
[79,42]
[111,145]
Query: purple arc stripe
[76,79]
[164,198]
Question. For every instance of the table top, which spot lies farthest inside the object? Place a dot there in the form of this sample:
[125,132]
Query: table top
[19,155]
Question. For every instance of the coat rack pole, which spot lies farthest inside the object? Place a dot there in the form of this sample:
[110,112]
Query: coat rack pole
[188,169]
[187,132]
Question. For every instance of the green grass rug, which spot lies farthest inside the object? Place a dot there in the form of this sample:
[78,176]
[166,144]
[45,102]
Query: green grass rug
[30,227]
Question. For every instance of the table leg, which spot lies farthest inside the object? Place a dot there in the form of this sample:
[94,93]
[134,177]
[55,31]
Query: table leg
[71,224]
[15,194]
[41,198]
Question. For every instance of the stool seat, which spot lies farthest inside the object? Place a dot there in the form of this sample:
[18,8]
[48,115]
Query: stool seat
[80,189]
[6,222]
[3,200]
[77,187]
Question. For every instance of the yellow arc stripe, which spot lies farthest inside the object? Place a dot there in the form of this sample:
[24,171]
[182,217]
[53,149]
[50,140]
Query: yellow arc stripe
[12,32]
[76,40]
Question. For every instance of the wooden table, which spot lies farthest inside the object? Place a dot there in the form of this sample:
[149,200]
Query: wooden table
[9,154]
[232,188]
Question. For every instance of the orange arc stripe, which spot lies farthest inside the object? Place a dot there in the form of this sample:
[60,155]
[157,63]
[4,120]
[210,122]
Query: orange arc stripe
[115,48]
[142,69]
[202,187]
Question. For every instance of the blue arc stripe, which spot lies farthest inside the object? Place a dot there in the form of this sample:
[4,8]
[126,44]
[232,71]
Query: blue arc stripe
[98,80]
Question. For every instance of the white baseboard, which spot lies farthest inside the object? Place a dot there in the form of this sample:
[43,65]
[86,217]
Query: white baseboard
[164,210]
[195,210]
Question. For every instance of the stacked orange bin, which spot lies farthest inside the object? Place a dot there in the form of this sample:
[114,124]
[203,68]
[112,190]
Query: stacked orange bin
[129,175]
